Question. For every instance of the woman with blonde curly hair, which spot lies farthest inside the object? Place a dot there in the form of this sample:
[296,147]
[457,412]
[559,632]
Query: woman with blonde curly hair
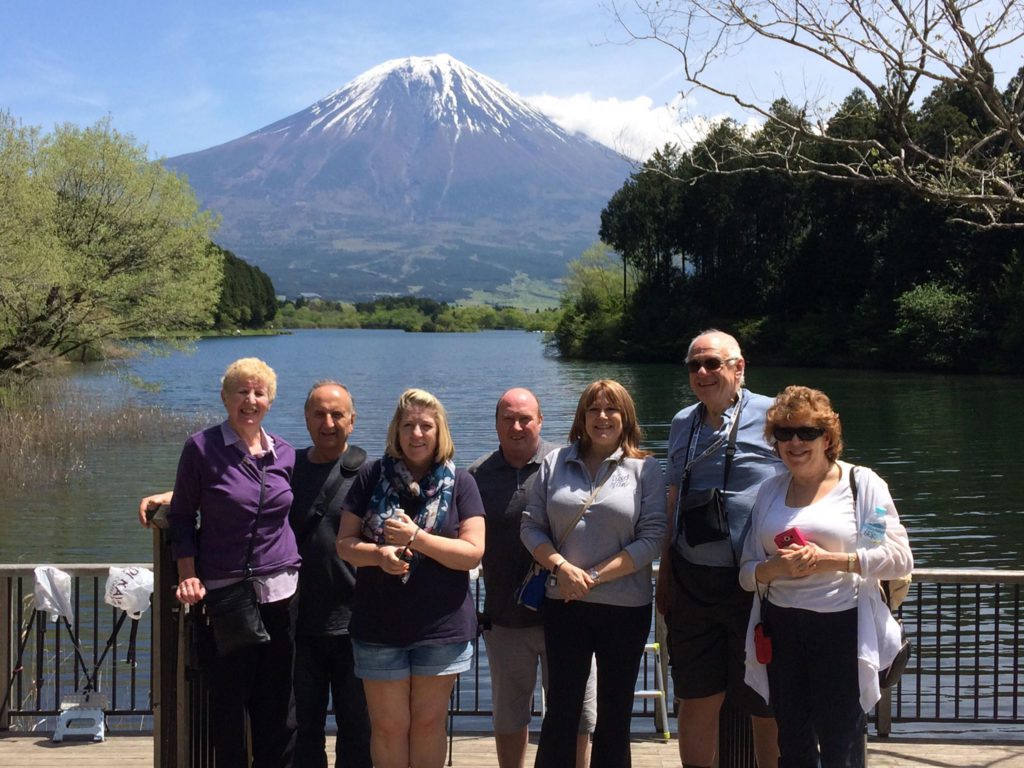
[595,519]
[239,476]
[817,568]
[413,525]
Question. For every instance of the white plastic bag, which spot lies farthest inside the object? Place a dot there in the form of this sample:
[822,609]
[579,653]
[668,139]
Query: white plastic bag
[53,592]
[129,589]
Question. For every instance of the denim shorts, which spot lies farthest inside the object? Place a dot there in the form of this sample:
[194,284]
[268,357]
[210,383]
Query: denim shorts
[389,662]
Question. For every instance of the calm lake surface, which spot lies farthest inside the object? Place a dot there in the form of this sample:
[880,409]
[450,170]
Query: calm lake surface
[947,445]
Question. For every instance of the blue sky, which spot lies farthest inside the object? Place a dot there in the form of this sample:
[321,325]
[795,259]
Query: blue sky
[184,76]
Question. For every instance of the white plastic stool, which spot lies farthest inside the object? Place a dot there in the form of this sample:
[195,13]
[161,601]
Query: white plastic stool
[81,714]
[658,692]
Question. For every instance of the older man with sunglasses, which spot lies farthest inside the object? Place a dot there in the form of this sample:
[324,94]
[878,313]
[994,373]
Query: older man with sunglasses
[717,459]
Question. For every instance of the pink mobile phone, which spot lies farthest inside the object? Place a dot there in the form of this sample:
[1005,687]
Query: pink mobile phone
[790,536]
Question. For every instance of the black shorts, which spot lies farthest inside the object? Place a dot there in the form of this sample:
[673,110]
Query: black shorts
[707,628]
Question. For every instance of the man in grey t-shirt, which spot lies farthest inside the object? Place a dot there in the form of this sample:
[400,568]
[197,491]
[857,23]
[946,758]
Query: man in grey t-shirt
[515,637]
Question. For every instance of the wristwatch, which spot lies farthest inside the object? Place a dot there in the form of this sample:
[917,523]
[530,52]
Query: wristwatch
[593,574]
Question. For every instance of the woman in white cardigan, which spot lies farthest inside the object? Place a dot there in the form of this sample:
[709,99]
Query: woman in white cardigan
[817,569]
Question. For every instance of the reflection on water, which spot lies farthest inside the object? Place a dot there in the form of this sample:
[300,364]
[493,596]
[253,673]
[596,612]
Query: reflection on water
[946,445]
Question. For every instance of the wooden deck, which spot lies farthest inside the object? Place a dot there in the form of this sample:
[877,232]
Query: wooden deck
[477,751]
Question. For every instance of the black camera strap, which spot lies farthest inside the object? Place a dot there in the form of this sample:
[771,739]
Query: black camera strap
[256,520]
[730,448]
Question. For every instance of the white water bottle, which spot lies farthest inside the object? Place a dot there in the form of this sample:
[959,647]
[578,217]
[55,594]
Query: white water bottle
[873,529]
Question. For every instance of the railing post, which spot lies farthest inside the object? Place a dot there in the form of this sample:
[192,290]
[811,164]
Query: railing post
[166,690]
[883,713]
[8,645]
[735,737]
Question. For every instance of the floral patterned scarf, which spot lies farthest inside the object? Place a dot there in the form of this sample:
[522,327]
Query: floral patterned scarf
[397,490]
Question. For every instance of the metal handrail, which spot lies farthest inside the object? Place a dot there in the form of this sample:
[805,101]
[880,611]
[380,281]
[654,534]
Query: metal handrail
[965,625]
[40,666]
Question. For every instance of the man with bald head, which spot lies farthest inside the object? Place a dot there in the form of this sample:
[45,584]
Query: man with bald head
[717,443]
[515,636]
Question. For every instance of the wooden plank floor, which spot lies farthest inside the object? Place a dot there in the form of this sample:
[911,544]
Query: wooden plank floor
[477,751]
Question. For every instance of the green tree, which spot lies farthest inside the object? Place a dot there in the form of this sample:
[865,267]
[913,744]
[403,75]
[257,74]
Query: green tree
[114,245]
[592,304]
[935,323]
[247,298]
[639,221]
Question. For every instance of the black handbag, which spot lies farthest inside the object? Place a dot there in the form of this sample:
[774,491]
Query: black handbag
[235,617]
[891,675]
[703,517]
[233,611]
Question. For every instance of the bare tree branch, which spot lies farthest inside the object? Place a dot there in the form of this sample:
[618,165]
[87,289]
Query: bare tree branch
[899,52]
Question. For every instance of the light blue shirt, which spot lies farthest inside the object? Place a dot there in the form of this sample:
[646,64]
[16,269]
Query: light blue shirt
[754,462]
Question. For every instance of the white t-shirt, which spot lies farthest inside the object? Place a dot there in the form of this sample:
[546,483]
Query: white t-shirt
[830,523]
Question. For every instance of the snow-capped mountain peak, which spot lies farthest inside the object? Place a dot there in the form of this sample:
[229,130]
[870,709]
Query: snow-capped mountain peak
[448,93]
[419,176]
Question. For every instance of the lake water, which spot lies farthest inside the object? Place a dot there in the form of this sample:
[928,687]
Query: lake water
[946,445]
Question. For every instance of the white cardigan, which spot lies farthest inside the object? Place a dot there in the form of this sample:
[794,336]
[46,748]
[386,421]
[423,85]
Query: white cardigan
[878,634]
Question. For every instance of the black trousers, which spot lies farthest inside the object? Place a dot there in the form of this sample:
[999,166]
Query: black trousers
[257,682]
[323,668]
[574,633]
[814,688]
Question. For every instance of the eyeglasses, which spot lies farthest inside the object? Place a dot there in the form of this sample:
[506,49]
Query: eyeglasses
[708,364]
[806,434]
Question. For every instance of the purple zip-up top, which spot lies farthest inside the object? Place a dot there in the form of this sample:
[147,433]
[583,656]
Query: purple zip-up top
[220,483]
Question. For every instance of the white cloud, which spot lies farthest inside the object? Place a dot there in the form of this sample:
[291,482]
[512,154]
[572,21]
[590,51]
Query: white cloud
[634,128]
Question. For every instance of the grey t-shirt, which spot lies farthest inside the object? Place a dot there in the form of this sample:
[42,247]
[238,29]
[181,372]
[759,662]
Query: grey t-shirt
[505,491]
[627,513]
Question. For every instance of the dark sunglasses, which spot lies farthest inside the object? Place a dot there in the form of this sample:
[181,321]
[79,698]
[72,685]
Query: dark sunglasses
[708,364]
[806,434]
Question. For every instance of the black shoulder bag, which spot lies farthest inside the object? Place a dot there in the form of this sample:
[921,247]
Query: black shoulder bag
[701,514]
[234,611]
[350,461]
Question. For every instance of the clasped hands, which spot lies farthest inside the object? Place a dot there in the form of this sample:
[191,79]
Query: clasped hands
[399,532]
[573,583]
[795,561]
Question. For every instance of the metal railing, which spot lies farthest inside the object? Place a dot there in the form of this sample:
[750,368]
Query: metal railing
[44,662]
[965,626]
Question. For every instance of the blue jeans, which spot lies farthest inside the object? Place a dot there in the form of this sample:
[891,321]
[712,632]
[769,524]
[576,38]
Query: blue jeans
[324,666]
[574,633]
[815,694]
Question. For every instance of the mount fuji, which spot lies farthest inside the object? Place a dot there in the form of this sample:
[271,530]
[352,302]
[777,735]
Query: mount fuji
[421,176]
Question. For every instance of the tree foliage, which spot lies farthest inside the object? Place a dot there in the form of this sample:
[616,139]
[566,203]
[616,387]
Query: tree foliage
[96,243]
[592,306]
[804,269]
[247,298]
[409,313]
[901,54]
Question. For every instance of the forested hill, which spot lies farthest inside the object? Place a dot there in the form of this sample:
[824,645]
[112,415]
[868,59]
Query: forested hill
[803,270]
